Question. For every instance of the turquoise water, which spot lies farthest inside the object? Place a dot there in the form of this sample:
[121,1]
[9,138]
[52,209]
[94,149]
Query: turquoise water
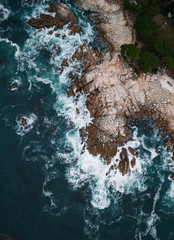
[51,188]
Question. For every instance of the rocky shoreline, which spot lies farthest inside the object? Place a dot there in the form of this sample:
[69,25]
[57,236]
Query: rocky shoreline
[116,94]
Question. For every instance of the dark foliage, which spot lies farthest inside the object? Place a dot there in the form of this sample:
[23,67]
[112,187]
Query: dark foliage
[155,51]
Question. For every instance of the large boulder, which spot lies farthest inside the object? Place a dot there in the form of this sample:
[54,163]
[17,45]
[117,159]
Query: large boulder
[62,17]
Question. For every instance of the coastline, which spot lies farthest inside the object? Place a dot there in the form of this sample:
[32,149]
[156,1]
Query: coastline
[115,93]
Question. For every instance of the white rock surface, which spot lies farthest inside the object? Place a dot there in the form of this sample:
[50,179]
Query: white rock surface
[112,21]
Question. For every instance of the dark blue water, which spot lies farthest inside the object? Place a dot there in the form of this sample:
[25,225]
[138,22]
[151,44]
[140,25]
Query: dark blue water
[49,188]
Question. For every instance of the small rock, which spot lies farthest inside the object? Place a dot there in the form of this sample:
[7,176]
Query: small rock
[168,149]
[23,122]
[72,124]
[172,176]
[13,87]
[131,150]
[77,111]
[168,143]
[137,154]
[133,162]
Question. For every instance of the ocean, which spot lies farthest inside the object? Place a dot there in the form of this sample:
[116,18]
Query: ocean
[51,187]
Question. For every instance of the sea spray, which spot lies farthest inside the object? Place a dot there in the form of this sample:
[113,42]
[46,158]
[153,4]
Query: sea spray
[82,197]
[4,13]
[84,167]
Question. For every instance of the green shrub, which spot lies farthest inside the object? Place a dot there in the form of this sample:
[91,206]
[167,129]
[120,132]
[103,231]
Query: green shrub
[126,4]
[148,62]
[155,51]
[145,27]
[161,48]
[123,50]
[169,62]
[151,10]
[129,52]
[131,7]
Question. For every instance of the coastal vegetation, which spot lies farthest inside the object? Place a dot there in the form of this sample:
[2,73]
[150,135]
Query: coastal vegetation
[129,52]
[154,25]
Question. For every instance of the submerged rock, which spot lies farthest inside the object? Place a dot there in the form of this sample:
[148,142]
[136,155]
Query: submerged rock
[5,237]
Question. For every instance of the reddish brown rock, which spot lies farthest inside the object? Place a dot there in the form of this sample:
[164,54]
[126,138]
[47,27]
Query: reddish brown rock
[131,150]
[172,177]
[75,29]
[63,65]
[107,150]
[88,55]
[133,162]
[168,149]
[124,163]
[23,122]
[77,111]
[168,143]
[137,154]
[63,16]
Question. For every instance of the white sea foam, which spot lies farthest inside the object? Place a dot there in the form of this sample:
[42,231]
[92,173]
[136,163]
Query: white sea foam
[45,81]
[170,192]
[17,53]
[4,13]
[82,167]
[150,219]
[93,170]
[15,84]
[22,129]
[153,218]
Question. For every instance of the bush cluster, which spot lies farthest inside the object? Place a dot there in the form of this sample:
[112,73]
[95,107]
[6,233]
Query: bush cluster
[155,51]
[129,52]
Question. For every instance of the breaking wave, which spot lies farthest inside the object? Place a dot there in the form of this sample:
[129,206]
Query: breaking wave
[81,166]
[4,13]
[104,189]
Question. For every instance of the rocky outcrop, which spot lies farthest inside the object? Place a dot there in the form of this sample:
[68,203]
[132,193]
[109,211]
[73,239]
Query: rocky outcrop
[112,26]
[116,93]
[63,16]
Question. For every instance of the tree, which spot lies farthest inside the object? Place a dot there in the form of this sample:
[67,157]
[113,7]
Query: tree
[129,52]
[169,62]
[148,62]
[123,50]
[161,48]
[151,10]
[132,7]
[145,27]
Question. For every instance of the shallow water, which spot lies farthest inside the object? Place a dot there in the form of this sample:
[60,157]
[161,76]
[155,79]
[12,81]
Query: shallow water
[50,188]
